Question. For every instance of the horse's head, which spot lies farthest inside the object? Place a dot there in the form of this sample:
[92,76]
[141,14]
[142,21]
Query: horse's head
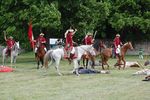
[17,45]
[102,45]
[130,45]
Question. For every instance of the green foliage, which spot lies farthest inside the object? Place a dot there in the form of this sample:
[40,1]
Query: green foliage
[53,17]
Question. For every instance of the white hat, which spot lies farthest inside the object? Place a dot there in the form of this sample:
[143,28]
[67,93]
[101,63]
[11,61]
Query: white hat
[117,35]
[70,30]
[11,37]
[89,33]
[41,34]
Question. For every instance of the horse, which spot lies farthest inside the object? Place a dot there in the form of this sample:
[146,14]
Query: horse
[13,53]
[56,55]
[87,56]
[124,49]
[107,53]
[40,54]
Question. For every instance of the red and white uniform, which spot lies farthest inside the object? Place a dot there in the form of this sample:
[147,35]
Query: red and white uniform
[69,41]
[41,40]
[10,43]
[88,40]
[117,42]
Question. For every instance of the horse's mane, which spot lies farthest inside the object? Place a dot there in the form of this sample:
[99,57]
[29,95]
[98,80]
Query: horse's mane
[126,44]
[15,47]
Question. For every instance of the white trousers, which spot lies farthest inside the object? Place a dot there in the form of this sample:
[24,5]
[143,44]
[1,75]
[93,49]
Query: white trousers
[35,50]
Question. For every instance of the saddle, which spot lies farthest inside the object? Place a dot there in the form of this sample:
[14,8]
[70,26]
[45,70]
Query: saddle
[8,52]
[69,55]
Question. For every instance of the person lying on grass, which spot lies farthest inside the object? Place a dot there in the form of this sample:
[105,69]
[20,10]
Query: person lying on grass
[82,70]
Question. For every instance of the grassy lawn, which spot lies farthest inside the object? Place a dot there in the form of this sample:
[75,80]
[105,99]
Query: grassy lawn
[28,83]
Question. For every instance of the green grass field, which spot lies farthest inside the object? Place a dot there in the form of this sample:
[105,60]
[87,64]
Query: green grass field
[28,83]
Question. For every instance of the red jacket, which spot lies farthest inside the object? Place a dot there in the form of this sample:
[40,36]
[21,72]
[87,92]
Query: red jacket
[88,40]
[117,42]
[10,43]
[69,39]
[41,40]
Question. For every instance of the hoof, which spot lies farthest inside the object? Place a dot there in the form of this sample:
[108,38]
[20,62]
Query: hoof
[60,74]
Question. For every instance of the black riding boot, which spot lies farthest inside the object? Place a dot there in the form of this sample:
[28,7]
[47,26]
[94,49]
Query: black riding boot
[35,54]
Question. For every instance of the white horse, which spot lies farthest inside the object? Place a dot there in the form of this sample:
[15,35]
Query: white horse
[13,55]
[56,55]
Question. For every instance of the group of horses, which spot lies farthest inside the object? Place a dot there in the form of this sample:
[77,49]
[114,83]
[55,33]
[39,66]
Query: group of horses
[55,55]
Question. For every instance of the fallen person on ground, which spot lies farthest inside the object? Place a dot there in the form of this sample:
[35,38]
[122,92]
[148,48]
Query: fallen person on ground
[82,70]
[147,78]
[142,72]
[147,63]
[131,64]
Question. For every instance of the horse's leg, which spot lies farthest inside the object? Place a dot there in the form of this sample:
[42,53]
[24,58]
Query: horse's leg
[102,62]
[119,62]
[87,62]
[14,59]
[42,62]
[3,59]
[83,61]
[107,63]
[11,59]
[4,56]
[57,66]
[93,61]
[124,62]
[38,62]
[76,67]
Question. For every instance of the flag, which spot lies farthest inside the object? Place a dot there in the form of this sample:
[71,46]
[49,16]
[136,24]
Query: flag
[30,35]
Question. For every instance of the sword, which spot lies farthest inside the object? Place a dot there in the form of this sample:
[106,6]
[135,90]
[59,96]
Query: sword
[95,34]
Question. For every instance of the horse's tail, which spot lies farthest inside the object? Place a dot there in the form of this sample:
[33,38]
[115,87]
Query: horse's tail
[47,57]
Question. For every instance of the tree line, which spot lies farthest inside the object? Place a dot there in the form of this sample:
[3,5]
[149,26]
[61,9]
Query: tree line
[129,18]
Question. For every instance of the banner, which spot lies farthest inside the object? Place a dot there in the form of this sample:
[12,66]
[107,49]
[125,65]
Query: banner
[30,35]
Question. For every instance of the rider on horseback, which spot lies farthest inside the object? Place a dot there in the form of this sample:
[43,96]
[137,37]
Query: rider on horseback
[10,43]
[69,43]
[42,40]
[88,40]
[117,44]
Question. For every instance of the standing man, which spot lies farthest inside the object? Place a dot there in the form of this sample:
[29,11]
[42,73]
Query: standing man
[117,46]
[88,40]
[42,40]
[10,43]
[69,41]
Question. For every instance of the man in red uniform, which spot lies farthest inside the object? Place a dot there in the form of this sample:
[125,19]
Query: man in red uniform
[88,40]
[42,40]
[10,43]
[117,44]
[69,41]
